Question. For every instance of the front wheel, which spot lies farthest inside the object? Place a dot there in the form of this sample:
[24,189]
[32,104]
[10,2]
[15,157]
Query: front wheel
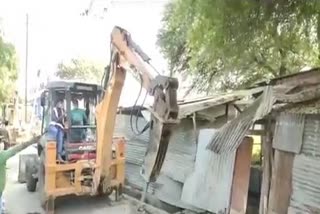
[41,180]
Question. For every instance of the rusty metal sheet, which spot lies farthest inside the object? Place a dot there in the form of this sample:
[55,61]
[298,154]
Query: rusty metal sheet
[311,139]
[231,134]
[209,186]
[289,132]
[305,185]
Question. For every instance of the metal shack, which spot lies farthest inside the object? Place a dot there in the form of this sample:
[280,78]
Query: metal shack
[294,181]
[288,109]
[193,177]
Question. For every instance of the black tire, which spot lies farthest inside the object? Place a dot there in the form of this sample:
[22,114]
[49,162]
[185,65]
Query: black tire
[31,181]
[39,149]
[41,180]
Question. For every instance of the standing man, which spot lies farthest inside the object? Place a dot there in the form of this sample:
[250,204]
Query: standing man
[78,117]
[4,156]
[56,127]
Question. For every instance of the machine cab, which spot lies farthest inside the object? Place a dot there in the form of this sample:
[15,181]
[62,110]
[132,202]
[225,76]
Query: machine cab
[79,99]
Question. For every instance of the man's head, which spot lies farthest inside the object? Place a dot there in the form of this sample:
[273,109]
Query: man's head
[59,104]
[75,103]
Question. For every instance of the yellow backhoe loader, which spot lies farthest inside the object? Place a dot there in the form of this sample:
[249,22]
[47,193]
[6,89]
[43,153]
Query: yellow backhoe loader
[94,163]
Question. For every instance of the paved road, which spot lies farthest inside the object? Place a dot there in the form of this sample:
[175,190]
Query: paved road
[19,201]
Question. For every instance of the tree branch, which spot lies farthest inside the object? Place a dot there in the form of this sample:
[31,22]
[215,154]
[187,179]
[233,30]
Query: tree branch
[264,65]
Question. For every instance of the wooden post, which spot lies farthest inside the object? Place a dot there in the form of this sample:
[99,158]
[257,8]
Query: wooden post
[266,141]
[281,185]
[241,177]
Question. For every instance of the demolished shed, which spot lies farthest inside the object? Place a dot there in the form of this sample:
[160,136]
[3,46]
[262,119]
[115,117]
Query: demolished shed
[187,159]
[291,143]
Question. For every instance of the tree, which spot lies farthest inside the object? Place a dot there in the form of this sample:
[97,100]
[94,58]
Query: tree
[80,69]
[230,44]
[8,70]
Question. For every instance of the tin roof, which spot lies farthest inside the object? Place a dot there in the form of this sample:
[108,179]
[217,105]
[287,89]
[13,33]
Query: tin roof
[287,91]
[309,75]
[189,106]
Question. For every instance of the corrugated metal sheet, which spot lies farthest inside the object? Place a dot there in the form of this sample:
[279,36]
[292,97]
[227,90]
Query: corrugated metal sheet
[136,145]
[306,184]
[133,177]
[135,149]
[289,132]
[306,170]
[231,135]
[178,164]
[123,128]
[209,186]
[311,138]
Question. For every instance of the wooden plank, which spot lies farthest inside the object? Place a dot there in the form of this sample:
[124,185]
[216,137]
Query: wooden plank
[281,183]
[266,141]
[241,177]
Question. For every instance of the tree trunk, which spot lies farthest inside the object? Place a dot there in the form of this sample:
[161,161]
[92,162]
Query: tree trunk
[283,69]
[318,34]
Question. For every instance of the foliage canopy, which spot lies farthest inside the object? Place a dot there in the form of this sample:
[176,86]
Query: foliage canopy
[230,43]
[8,70]
[80,69]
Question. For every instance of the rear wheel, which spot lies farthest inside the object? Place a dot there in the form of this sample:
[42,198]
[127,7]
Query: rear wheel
[31,171]
[102,192]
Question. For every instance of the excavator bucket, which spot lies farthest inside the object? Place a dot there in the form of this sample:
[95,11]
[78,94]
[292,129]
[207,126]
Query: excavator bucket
[164,118]
[157,149]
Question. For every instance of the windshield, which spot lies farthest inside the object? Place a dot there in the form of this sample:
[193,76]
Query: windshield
[85,105]
[83,114]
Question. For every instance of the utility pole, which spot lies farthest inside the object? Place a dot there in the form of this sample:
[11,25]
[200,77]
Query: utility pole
[26,72]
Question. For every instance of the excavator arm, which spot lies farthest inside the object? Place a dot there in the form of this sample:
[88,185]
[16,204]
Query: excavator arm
[125,53]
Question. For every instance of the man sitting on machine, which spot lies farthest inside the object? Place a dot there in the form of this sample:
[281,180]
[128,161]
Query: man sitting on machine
[78,118]
[56,127]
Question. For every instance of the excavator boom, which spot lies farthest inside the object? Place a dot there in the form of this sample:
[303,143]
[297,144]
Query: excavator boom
[127,55]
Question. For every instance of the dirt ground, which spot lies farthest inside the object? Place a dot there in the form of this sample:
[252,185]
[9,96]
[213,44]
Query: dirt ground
[19,201]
